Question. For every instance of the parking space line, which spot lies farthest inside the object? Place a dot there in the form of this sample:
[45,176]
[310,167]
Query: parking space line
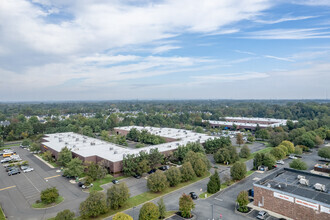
[9,187]
[47,178]
[31,183]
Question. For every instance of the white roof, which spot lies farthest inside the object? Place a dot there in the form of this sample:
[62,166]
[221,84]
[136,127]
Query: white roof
[87,146]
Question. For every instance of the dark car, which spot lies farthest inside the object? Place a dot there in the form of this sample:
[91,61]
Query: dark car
[152,171]
[10,168]
[115,181]
[80,184]
[163,168]
[137,176]
[193,195]
[13,172]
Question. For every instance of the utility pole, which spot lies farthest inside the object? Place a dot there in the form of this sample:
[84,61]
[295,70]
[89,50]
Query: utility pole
[212,212]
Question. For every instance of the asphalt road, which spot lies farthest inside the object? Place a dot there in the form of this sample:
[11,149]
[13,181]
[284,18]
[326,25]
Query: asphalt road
[24,189]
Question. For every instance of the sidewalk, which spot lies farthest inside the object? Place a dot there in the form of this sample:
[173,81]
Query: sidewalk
[48,164]
[269,212]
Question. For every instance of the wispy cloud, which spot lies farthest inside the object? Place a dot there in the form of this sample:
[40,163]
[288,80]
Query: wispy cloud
[164,48]
[285,19]
[230,76]
[222,32]
[279,58]
[244,52]
[312,2]
[289,34]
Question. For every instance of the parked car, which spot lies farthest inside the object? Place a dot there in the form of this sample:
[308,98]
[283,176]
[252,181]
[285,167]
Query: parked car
[28,170]
[24,146]
[193,195]
[293,157]
[115,181]
[80,184]
[24,167]
[137,176]
[165,167]
[262,215]
[14,171]
[6,160]
[86,187]
[10,168]
[152,171]
[280,162]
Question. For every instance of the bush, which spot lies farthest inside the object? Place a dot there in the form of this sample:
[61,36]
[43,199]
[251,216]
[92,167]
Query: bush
[149,211]
[49,195]
[298,165]
[324,152]
[117,196]
[173,176]
[47,155]
[161,208]
[214,184]
[187,172]
[122,216]
[186,204]
[238,171]
[243,200]
[94,205]
[157,181]
[65,215]
[245,152]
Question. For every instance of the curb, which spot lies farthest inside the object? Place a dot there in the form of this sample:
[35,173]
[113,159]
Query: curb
[49,206]
[51,166]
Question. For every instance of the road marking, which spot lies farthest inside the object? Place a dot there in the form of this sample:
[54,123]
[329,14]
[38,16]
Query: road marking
[9,187]
[31,183]
[47,178]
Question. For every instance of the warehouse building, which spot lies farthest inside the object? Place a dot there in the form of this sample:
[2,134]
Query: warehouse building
[95,150]
[248,123]
[295,194]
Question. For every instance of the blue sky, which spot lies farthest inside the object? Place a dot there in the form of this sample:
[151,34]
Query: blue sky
[175,49]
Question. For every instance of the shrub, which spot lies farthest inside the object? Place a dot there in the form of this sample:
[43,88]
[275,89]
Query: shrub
[157,181]
[214,184]
[149,211]
[161,208]
[238,171]
[117,196]
[65,215]
[298,165]
[122,216]
[243,200]
[186,204]
[49,195]
[47,155]
[173,176]
[94,205]
[324,152]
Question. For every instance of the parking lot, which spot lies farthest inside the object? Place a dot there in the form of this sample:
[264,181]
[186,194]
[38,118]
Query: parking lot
[20,191]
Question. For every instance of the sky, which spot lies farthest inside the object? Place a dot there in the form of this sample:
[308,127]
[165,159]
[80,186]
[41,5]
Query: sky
[164,49]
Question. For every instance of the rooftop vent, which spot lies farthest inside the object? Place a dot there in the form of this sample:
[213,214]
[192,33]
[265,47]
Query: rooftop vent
[92,143]
[59,140]
[84,141]
[110,148]
[66,143]
[169,146]
[77,139]
[115,152]
[301,177]
[268,185]
[320,187]
[303,181]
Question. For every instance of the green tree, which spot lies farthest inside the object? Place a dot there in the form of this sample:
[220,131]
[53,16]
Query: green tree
[238,171]
[200,168]
[324,152]
[117,196]
[199,162]
[284,149]
[149,211]
[47,155]
[64,157]
[214,183]
[173,176]
[289,145]
[187,172]
[239,139]
[251,139]
[258,160]
[74,168]
[49,195]
[35,147]
[243,200]
[94,205]
[65,215]
[222,156]
[155,157]
[245,152]
[298,150]
[157,182]
[269,161]
[298,164]
[129,164]
[26,142]
[262,134]
[122,216]
[95,171]
[278,153]
[161,208]
[143,167]
[186,204]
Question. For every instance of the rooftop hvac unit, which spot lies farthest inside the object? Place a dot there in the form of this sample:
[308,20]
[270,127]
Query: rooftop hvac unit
[303,181]
[111,148]
[84,141]
[59,140]
[77,139]
[169,146]
[115,152]
[268,185]
[66,143]
[92,143]
[320,187]
[301,177]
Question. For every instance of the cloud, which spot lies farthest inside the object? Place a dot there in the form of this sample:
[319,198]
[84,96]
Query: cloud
[279,58]
[312,2]
[164,48]
[285,19]
[244,52]
[289,34]
[230,76]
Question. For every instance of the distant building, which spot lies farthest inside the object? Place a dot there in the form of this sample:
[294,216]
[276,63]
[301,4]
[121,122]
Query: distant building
[4,123]
[248,123]
[295,194]
[91,149]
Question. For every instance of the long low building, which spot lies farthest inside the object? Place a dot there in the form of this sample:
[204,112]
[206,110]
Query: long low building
[295,194]
[92,149]
[248,123]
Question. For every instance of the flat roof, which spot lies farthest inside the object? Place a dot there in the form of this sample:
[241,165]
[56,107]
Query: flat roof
[87,146]
[286,180]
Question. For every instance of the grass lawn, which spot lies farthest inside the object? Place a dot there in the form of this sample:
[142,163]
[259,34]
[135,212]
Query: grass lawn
[2,216]
[107,179]
[265,150]
[226,184]
[42,205]
[169,213]
[202,195]
[147,196]
[248,173]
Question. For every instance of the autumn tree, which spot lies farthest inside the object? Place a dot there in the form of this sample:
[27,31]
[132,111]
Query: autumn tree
[186,204]
[239,139]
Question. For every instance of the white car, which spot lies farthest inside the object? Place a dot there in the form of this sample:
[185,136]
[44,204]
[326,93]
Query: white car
[292,157]
[6,160]
[28,170]
[280,162]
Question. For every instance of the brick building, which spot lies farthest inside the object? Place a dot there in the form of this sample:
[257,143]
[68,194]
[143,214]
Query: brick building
[292,193]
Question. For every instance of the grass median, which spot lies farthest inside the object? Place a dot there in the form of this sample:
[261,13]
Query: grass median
[107,179]
[2,215]
[43,205]
[265,150]
[147,196]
